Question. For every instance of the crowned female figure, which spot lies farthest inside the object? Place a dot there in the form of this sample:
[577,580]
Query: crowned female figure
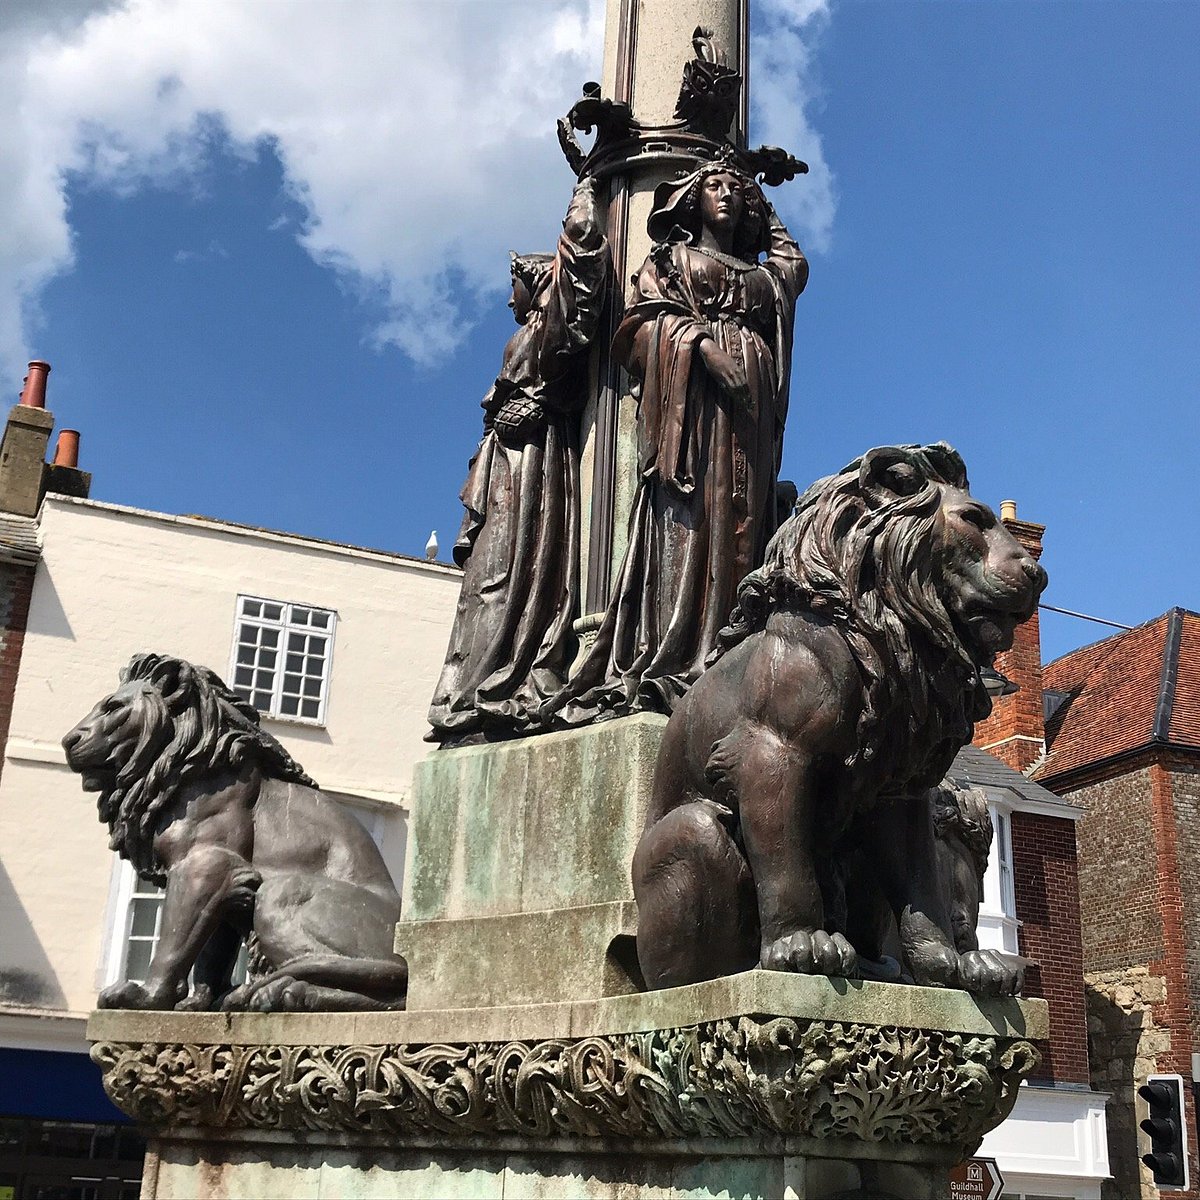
[707,337]
[511,643]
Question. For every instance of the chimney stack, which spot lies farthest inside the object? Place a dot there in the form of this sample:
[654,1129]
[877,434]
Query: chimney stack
[1016,730]
[25,476]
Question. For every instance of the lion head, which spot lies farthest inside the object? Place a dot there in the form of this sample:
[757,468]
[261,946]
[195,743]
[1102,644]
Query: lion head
[924,581]
[168,723]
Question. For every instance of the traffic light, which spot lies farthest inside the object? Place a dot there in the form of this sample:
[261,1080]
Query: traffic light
[1167,1159]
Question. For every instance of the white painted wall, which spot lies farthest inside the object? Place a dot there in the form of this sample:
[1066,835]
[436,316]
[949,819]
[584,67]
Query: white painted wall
[1054,1143]
[114,581]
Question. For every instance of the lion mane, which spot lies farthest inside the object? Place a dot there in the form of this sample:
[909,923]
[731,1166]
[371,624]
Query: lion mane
[862,557]
[186,725]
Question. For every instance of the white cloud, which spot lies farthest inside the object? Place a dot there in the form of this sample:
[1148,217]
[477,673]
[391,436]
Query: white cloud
[417,138]
[783,92]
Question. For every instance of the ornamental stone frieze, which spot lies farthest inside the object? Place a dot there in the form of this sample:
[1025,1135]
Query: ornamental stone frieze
[742,1075]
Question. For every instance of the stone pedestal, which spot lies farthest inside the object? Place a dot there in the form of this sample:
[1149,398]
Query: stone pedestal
[759,1085]
[517,886]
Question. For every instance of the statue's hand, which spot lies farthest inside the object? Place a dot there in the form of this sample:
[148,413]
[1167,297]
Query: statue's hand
[518,419]
[729,374]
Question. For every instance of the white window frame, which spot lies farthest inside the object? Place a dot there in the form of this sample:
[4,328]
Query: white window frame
[125,888]
[286,624]
[998,924]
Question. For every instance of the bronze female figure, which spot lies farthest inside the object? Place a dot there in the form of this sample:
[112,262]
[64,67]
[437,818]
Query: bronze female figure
[707,336]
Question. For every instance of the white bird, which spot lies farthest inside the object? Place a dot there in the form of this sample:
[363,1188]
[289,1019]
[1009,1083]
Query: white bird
[431,546]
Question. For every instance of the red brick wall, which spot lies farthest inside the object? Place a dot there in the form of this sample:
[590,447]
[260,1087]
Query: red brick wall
[1047,896]
[1117,880]
[16,587]
[1139,860]
[1015,732]
[1185,794]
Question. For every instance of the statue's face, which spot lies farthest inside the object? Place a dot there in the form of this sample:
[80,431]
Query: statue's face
[521,302]
[722,202]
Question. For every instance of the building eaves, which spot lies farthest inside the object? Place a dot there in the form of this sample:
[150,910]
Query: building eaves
[240,529]
[974,767]
[19,541]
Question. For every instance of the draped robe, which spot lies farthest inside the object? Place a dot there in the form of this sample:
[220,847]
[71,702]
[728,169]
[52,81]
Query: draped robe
[705,502]
[511,643]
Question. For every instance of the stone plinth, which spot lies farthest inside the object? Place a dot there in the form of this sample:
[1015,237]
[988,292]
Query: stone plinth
[517,886]
[762,1084]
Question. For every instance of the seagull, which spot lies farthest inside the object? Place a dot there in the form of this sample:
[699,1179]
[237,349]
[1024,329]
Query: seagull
[431,546]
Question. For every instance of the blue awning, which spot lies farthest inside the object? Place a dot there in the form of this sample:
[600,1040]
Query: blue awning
[53,1085]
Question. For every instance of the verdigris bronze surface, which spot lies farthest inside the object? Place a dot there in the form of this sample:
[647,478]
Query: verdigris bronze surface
[511,643]
[203,801]
[792,809]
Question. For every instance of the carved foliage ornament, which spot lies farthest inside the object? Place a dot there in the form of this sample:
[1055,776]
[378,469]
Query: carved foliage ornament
[735,1078]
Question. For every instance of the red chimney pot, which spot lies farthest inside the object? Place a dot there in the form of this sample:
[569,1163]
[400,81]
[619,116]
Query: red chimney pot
[66,451]
[34,393]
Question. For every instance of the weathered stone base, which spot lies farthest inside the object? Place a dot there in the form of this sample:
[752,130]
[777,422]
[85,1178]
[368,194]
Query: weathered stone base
[260,1165]
[517,888]
[762,1084]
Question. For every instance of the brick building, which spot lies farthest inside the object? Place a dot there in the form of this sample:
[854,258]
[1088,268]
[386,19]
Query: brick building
[1114,729]
[1123,740]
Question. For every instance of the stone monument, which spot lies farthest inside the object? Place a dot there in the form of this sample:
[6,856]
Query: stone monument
[686,904]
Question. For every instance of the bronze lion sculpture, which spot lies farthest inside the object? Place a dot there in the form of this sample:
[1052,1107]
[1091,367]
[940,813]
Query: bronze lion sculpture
[791,821]
[203,801]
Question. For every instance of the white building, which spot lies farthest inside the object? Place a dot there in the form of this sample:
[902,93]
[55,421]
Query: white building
[338,645]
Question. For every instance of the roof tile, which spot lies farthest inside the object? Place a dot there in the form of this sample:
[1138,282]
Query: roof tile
[1113,689]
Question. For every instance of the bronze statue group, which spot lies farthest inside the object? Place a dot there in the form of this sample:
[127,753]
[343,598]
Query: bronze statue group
[706,337]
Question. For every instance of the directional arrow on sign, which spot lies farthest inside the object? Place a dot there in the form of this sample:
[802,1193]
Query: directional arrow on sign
[997,1178]
[976,1179]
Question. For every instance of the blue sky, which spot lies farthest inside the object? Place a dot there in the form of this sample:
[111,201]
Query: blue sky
[1001,227]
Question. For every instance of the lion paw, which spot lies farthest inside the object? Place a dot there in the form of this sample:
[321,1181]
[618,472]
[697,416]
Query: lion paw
[986,973]
[283,994]
[128,994]
[201,1000]
[810,953]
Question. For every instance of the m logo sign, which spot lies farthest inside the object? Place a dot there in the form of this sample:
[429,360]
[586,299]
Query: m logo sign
[976,1179]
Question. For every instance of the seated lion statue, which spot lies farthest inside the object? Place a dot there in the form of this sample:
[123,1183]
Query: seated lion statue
[203,801]
[791,822]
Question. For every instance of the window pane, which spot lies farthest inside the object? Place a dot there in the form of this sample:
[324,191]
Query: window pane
[320,620]
[316,645]
[245,653]
[297,641]
[145,917]
[270,637]
[295,662]
[266,658]
[251,608]
[312,687]
[261,701]
[289,706]
[137,960]
[272,612]
[309,708]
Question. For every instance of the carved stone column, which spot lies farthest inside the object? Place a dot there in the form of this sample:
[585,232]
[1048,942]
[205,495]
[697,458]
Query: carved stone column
[647,43]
